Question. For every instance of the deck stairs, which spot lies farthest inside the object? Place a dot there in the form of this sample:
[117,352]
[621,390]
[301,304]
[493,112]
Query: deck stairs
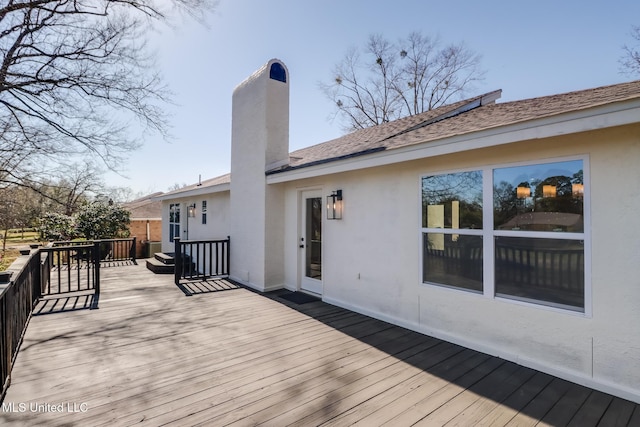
[164,263]
[161,263]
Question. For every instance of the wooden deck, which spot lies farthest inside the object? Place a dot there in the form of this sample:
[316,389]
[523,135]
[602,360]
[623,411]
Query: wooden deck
[225,355]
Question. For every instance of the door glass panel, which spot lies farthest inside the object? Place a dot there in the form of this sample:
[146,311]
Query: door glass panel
[174,221]
[313,238]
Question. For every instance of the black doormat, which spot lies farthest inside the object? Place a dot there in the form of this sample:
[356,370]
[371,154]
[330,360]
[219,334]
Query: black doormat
[299,297]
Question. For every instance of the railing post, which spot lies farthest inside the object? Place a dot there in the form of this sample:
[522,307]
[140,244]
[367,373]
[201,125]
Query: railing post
[37,272]
[228,272]
[177,260]
[132,251]
[96,265]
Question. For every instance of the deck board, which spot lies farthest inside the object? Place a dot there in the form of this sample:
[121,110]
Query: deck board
[502,414]
[220,354]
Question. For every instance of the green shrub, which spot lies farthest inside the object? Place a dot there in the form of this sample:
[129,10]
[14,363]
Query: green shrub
[102,221]
[56,226]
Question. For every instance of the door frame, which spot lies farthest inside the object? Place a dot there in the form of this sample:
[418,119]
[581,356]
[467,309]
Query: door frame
[175,225]
[307,284]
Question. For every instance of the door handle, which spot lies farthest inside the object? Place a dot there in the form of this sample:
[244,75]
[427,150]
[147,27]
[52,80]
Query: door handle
[301,246]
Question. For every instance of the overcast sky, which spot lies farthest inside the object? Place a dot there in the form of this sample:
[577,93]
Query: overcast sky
[528,49]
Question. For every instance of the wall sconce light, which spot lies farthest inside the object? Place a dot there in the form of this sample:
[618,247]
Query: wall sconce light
[577,190]
[523,192]
[191,210]
[334,205]
[548,191]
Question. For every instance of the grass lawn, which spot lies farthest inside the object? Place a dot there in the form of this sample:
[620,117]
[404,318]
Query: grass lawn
[16,239]
[7,257]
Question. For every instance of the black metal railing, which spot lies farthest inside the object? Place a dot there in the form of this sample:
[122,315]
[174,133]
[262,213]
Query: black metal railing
[201,259]
[110,249]
[17,299]
[62,268]
[69,269]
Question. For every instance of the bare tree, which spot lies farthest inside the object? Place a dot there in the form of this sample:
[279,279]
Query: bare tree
[630,62]
[74,185]
[73,74]
[70,186]
[17,210]
[388,80]
[176,186]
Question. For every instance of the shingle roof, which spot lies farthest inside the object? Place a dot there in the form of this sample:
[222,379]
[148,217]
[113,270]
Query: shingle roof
[447,121]
[462,117]
[211,182]
[145,207]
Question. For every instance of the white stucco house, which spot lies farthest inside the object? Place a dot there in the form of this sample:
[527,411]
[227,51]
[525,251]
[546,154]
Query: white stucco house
[509,228]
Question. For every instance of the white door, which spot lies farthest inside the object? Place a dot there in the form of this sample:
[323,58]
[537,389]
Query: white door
[311,242]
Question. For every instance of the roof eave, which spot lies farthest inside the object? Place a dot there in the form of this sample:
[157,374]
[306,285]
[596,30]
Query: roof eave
[198,191]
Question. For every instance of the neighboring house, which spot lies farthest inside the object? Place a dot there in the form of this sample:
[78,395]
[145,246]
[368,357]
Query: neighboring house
[508,227]
[146,222]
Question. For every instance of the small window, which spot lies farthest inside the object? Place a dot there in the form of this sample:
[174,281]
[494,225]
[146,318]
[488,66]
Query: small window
[204,211]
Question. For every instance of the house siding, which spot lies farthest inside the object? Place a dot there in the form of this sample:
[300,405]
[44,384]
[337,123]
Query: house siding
[218,218]
[371,262]
[371,259]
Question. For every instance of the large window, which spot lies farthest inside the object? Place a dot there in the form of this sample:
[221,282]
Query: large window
[532,239]
[452,223]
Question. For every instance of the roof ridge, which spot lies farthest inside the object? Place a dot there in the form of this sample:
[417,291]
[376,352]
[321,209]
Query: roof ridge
[577,92]
[470,104]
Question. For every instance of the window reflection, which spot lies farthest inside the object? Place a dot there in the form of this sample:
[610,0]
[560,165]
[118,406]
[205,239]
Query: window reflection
[543,197]
[452,200]
[453,260]
[313,254]
[541,270]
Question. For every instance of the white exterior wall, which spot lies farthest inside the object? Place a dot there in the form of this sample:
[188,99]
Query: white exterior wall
[372,264]
[259,140]
[218,218]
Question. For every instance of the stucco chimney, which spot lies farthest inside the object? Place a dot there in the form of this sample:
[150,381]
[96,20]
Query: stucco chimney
[259,142]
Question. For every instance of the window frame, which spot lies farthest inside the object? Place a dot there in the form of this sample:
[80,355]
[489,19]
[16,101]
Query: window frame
[488,233]
[452,231]
[174,227]
[204,212]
